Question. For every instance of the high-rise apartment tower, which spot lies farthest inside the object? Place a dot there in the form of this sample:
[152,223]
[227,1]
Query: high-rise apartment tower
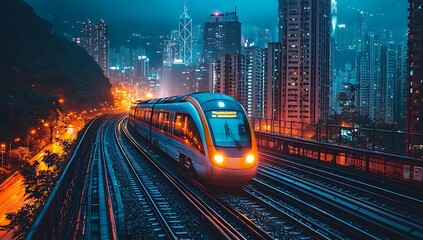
[304,33]
[414,115]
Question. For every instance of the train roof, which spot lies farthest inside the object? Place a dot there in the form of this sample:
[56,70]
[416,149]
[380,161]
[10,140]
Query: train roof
[204,99]
[201,97]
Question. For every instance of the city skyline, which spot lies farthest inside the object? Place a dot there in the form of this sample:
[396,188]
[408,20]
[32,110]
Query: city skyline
[134,17]
[299,83]
[116,116]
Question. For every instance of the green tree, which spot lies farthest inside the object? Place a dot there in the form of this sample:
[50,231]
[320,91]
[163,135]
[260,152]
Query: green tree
[38,185]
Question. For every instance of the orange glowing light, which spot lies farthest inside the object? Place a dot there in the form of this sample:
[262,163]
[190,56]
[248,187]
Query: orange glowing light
[218,158]
[250,159]
[344,124]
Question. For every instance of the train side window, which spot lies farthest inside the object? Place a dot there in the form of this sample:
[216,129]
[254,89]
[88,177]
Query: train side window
[155,121]
[142,113]
[178,125]
[152,119]
[147,116]
[193,135]
[165,123]
[160,121]
[184,126]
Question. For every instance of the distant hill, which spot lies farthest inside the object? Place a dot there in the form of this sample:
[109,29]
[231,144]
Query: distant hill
[37,67]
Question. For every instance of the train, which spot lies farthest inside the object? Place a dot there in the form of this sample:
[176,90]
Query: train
[208,134]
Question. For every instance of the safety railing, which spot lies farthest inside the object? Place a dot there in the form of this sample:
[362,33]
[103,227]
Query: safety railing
[389,141]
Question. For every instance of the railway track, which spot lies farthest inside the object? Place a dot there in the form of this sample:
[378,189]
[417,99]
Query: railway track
[354,208]
[395,203]
[162,217]
[345,174]
[284,200]
[98,211]
[214,213]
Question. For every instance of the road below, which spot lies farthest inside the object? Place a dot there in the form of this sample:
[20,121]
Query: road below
[12,193]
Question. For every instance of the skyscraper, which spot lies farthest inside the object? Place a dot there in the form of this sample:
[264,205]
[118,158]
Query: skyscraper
[197,43]
[359,30]
[254,60]
[178,79]
[87,37]
[143,71]
[414,117]
[171,51]
[222,35]
[401,86]
[272,80]
[101,46]
[231,79]
[389,68]
[280,22]
[369,76]
[185,37]
[343,37]
[305,30]
[95,39]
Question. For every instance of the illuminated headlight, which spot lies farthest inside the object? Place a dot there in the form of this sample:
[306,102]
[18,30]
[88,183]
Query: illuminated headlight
[250,159]
[218,158]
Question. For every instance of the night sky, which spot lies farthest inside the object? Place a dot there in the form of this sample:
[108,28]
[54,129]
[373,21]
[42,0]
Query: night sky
[160,16]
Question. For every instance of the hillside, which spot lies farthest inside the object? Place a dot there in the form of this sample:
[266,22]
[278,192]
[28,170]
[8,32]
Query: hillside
[37,67]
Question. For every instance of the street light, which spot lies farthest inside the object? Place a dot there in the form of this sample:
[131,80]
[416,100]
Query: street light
[2,151]
[10,146]
[32,132]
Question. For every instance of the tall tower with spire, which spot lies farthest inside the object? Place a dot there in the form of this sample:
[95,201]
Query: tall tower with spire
[185,37]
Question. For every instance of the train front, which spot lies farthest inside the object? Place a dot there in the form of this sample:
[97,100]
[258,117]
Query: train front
[232,147]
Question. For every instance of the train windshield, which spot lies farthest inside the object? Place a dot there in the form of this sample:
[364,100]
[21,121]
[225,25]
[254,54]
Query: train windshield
[229,128]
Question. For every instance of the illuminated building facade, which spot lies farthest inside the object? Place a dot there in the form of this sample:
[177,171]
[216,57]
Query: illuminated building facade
[171,51]
[231,79]
[254,60]
[95,39]
[305,33]
[414,114]
[143,69]
[389,77]
[369,76]
[221,35]
[272,80]
[401,83]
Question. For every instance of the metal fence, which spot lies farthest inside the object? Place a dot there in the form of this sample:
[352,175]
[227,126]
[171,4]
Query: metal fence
[390,165]
[389,141]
